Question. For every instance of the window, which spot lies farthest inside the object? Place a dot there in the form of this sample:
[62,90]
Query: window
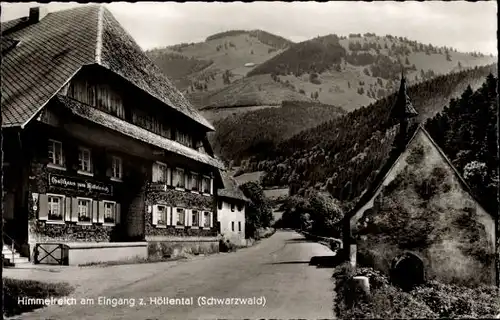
[195,218]
[84,159]
[116,168]
[194,182]
[181,217]
[219,204]
[56,156]
[207,219]
[56,208]
[160,172]
[179,180]
[240,207]
[232,225]
[199,146]
[162,215]
[232,207]
[84,210]
[164,131]
[184,138]
[206,185]
[109,212]
[239,226]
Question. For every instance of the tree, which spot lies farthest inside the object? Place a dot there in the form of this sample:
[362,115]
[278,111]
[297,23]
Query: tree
[259,213]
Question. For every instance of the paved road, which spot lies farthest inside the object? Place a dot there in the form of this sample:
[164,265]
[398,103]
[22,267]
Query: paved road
[276,269]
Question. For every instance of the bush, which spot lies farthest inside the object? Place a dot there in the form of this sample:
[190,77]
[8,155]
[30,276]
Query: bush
[432,300]
[14,289]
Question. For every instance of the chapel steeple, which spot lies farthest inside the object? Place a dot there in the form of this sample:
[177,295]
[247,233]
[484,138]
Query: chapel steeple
[402,112]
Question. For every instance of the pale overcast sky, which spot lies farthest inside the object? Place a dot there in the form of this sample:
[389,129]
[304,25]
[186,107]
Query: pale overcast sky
[467,26]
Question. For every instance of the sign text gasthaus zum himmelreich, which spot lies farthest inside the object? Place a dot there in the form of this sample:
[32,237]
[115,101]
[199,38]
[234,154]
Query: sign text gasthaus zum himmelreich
[80,184]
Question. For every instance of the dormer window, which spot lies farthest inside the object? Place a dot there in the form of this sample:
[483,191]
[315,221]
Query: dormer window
[55,153]
[85,161]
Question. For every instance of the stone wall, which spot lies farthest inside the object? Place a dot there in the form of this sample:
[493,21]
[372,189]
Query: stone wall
[424,209]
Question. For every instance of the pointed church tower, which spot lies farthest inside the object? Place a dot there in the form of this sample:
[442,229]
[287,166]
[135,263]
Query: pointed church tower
[402,112]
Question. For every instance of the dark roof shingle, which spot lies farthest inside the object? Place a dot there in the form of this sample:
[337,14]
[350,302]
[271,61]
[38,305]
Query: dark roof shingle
[231,188]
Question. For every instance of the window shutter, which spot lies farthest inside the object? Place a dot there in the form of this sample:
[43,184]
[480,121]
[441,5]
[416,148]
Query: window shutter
[43,210]
[211,186]
[100,218]
[210,216]
[95,212]
[118,213]
[188,218]
[168,213]
[67,209]
[74,209]
[155,215]
[156,169]
[186,180]
[174,216]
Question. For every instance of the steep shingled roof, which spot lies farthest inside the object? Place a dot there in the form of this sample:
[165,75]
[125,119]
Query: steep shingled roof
[231,188]
[52,50]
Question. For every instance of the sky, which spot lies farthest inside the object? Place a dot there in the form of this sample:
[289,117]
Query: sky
[466,26]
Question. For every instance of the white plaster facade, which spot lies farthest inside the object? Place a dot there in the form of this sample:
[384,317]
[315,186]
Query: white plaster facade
[231,215]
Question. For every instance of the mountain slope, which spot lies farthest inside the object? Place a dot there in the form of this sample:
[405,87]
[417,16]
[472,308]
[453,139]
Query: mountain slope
[242,135]
[260,90]
[223,57]
[356,70]
[344,154]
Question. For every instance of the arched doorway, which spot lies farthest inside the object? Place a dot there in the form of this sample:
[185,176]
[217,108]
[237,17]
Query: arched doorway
[407,271]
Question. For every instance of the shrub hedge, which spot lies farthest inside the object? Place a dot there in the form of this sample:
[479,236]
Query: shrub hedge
[14,289]
[432,300]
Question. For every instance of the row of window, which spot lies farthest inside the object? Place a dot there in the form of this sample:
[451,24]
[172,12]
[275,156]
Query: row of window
[239,226]
[178,178]
[172,216]
[181,178]
[152,124]
[233,206]
[59,208]
[85,165]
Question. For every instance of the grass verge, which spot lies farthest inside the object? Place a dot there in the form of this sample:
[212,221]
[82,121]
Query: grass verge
[131,261]
[432,300]
[14,289]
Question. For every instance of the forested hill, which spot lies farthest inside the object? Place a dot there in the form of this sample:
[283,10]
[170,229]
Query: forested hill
[344,155]
[242,135]
[467,131]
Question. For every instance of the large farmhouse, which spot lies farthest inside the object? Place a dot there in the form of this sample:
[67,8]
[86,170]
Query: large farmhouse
[420,214]
[104,158]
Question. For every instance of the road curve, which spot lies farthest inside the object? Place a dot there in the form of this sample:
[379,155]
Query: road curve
[276,270]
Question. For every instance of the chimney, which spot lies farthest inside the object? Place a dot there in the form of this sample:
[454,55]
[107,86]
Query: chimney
[37,14]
